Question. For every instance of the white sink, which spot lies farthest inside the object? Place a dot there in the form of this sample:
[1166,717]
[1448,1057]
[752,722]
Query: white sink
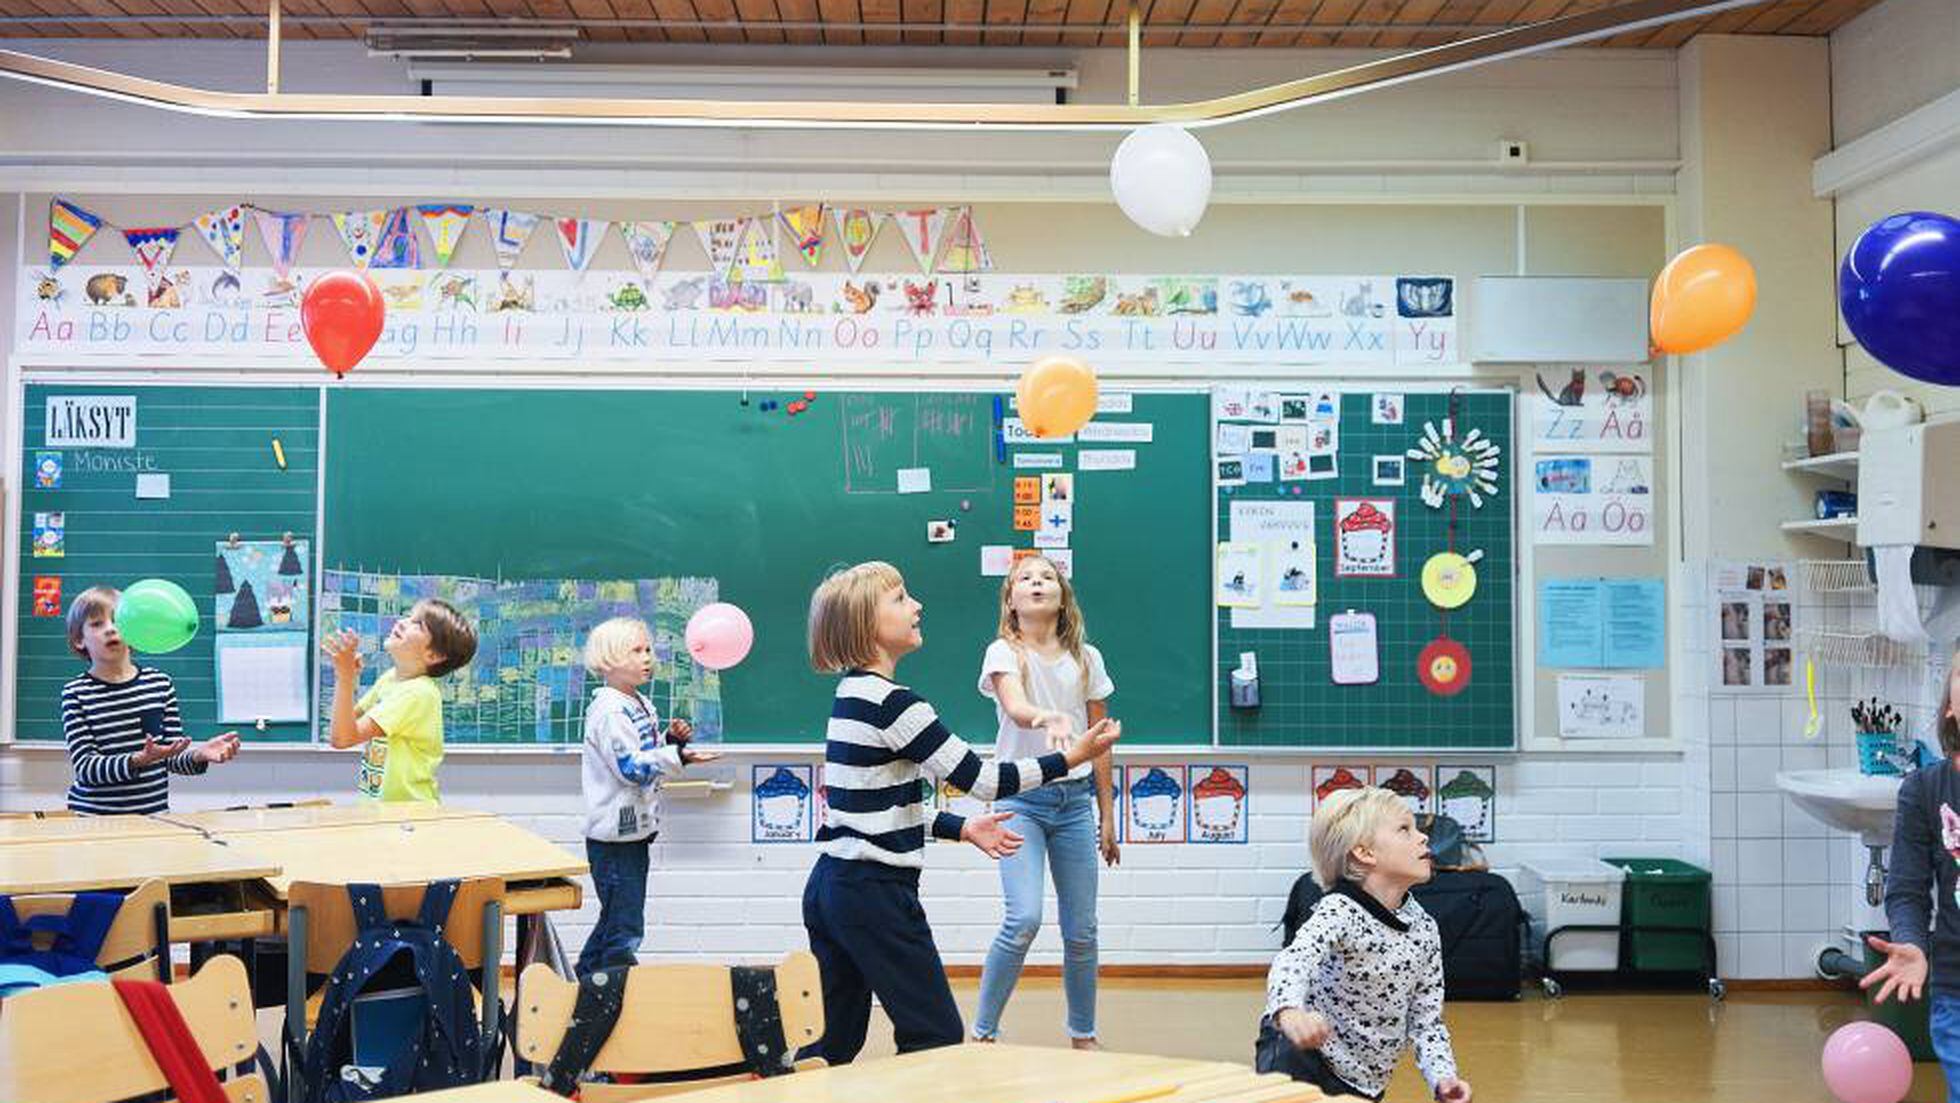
[1845,799]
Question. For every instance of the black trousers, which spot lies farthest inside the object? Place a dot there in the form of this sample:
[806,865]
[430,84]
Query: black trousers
[870,937]
[1273,1052]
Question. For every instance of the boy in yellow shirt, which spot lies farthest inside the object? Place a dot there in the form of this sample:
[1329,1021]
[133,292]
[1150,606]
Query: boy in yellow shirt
[400,717]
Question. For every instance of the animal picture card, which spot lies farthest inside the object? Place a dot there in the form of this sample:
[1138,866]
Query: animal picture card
[781,803]
[1364,537]
[1591,410]
[1295,578]
[262,585]
[1386,409]
[1153,806]
[1332,778]
[1468,795]
[1229,403]
[1240,575]
[1219,797]
[1292,442]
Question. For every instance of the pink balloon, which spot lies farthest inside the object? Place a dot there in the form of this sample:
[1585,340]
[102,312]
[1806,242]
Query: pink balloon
[719,636]
[1866,1063]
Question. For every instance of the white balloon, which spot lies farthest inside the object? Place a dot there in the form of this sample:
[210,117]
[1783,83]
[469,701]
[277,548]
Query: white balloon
[1162,179]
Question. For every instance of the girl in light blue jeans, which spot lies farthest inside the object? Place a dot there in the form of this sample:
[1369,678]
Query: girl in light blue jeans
[1047,685]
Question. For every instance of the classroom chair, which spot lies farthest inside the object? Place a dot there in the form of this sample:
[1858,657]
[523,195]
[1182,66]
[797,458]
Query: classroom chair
[677,1019]
[138,943]
[38,814]
[320,926]
[77,1043]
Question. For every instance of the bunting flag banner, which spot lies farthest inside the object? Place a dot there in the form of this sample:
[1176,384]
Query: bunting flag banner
[720,239]
[509,230]
[921,230]
[580,238]
[758,261]
[647,243]
[857,228]
[806,229]
[399,247]
[282,234]
[360,231]
[966,250]
[153,247]
[69,228]
[445,223]
[224,232]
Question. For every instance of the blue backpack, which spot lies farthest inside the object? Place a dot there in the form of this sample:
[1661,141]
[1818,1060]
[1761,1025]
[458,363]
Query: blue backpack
[445,1049]
[78,936]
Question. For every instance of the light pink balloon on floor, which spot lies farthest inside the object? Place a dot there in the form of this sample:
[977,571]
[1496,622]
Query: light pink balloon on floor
[1866,1063]
[719,636]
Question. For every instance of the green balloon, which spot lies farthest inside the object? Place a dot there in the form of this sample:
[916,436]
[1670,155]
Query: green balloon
[156,616]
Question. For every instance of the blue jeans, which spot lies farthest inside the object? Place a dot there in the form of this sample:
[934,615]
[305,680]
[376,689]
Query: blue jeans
[1059,823]
[619,880]
[1946,1041]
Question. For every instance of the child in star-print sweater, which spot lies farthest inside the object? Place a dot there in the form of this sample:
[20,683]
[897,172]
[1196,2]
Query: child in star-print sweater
[1363,979]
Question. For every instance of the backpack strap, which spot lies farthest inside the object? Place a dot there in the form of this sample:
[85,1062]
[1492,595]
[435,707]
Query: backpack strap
[81,932]
[370,913]
[436,902]
[169,1041]
[759,1021]
[601,996]
[14,939]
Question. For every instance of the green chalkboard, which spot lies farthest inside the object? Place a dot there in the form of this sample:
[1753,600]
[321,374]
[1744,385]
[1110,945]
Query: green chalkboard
[215,444]
[1300,705]
[508,485]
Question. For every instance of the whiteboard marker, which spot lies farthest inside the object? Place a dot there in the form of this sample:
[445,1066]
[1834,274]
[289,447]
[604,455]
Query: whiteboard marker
[279,453]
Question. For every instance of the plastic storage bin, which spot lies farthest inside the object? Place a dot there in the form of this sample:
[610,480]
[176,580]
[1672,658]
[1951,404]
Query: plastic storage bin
[1579,892]
[1661,892]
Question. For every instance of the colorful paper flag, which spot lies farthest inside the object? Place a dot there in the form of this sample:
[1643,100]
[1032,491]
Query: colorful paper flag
[647,242]
[758,261]
[806,229]
[282,234]
[445,223]
[966,250]
[921,229]
[153,247]
[69,228]
[360,231]
[580,238]
[224,231]
[857,228]
[509,230]
[399,247]
[720,238]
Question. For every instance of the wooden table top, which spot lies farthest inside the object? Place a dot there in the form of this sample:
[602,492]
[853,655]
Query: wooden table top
[415,850]
[319,815]
[81,864]
[68,828]
[497,1091]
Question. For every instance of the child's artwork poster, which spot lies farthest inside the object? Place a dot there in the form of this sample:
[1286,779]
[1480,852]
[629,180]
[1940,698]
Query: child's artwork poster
[1579,499]
[47,596]
[47,470]
[1755,626]
[1331,779]
[1240,575]
[1219,799]
[1592,410]
[782,800]
[1414,784]
[262,585]
[1153,808]
[1468,795]
[50,531]
[1364,537]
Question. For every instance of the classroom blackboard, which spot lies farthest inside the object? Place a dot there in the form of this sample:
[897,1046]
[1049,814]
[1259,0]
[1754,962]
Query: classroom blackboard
[1300,705]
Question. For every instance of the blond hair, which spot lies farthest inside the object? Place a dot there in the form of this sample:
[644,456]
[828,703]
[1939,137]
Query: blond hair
[844,616]
[610,646]
[90,603]
[1346,819]
[1070,631]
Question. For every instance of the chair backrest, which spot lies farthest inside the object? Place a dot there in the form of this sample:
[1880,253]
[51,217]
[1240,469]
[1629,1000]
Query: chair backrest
[76,1043]
[676,1018]
[330,923]
[137,945]
[38,814]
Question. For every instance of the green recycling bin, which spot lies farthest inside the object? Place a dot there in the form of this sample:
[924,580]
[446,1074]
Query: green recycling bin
[1911,1021]
[1663,892]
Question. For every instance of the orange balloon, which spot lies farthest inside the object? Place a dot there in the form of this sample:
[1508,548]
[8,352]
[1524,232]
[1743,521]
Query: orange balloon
[1057,396]
[1703,297]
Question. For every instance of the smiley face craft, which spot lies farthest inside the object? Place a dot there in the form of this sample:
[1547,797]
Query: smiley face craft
[1443,667]
[1452,468]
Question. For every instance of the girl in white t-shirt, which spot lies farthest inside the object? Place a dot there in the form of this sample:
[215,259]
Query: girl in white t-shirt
[1048,685]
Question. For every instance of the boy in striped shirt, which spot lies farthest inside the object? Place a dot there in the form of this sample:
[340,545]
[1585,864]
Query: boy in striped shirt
[125,735]
[861,905]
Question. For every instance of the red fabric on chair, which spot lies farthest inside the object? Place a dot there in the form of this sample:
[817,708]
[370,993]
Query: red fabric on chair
[169,1037]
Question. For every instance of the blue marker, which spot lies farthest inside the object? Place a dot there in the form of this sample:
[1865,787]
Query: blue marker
[1000,430]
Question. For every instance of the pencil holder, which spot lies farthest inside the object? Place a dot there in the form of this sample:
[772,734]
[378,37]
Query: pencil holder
[1879,754]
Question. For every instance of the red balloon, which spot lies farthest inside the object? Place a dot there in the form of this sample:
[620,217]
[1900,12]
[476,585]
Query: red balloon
[343,314]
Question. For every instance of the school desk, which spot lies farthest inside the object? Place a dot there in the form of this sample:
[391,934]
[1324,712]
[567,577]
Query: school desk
[211,880]
[1017,1074]
[497,1091]
[236,820]
[78,828]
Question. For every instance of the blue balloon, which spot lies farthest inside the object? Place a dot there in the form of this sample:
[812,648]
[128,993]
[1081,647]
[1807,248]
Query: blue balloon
[1899,289]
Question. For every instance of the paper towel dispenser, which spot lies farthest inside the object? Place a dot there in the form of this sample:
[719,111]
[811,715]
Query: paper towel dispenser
[1909,485]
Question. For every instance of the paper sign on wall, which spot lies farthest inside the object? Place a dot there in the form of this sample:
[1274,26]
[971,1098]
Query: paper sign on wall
[1354,649]
[1591,410]
[1593,706]
[781,804]
[1219,796]
[1605,499]
[1153,805]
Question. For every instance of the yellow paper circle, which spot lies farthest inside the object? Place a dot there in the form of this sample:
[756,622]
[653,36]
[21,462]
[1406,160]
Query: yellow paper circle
[1448,580]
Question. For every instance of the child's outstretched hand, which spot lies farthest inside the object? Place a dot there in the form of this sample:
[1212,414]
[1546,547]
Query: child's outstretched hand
[344,648]
[1060,732]
[679,731]
[1453,1091]
[1305,1029]
[154,752]
[1904,971]
[218,748]
[1094,743]
[985,832]
[690,756]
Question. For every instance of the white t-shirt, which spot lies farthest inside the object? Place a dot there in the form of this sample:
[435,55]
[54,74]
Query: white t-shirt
[1053,684]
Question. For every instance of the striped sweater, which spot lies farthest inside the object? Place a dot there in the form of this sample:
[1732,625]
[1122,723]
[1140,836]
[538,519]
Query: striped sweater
[882,742]
[105,723]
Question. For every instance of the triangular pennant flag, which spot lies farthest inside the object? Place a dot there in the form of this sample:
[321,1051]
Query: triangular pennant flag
[360,231]
[282,234]
[758,261]
[966,250]
[509,230]
[153,247]
[857,228]
[921,230]
[224,232]
[647,243]
[720,239]
[580,238]
[399,247]
[445,223]
[69,228]
[806,227]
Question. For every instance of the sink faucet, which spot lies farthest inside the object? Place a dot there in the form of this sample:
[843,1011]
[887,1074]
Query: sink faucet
[1875,877]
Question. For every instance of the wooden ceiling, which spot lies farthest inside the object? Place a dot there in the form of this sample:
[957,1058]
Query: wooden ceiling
[1077,23]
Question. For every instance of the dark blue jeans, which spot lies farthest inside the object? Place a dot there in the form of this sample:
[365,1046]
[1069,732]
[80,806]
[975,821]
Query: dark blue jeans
[1946,1041]
[870,937]
[619,880]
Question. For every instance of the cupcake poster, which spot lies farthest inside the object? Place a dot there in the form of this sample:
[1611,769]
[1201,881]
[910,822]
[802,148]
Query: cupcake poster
[1153,806]
[783,799]
[1219,796]
[1468,795]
